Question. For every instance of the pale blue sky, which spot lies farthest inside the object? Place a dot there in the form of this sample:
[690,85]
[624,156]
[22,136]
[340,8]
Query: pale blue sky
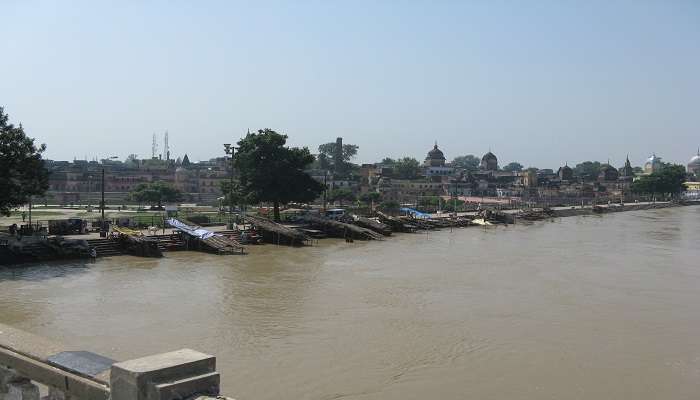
[540,82]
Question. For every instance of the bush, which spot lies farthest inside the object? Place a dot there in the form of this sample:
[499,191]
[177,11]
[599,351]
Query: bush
[390,206]
[199,219]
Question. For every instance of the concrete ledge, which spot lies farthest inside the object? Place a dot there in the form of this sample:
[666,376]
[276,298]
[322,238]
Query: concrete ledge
[184,388]
[31,345]
[81,375]
[183,372]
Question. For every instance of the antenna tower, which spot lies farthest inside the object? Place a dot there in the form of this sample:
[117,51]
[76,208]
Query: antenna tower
[166,148]
[154,146]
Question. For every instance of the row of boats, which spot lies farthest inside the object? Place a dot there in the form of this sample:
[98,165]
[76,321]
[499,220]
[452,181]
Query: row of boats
[254,229]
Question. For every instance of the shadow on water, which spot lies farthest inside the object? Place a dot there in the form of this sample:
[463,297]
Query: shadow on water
[43,270]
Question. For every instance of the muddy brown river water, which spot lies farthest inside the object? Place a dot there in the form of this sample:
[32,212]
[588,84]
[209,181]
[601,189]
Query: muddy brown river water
[579,308]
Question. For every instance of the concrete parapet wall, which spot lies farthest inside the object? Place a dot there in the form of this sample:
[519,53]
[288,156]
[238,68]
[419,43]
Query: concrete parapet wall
[28,360]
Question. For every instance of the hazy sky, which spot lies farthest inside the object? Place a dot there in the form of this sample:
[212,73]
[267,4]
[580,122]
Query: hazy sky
[540,82]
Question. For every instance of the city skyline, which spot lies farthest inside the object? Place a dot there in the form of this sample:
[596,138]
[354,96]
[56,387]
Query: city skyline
[420,158]
[541,84]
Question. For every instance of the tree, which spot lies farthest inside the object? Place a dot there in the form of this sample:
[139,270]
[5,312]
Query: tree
[22,171]
[341,194]
[339,159]
[390,206]
[407,168]
[132,160]
[235,196]
[668,181]
[388,161]
[453,205]
[469,162]
[588,170]
[371,197]
[155,193]
[513,167]
[270,171]
[428,203]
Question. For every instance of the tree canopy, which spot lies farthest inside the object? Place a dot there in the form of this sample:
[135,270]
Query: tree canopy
[340,195]
[390,206]
[22,171]
[155,193]
[329,156]
[667,181]
[271,172]
[588,169]
[469,162]
[407,168]
[235,195]
[370,197]
[513,167]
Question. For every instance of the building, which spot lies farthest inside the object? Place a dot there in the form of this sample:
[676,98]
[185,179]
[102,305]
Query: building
[80,181]
[489,162]
[566,173]
[434,166]
[608,173]
[653,164]
[694,165]
[627,172]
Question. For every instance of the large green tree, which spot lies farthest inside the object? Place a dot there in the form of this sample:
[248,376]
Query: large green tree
[407,168]
[22,171]
[370,197]
[235,194]
[667,181]
[469,162]
[330,156]
[340,195]
[588,170]
[513,167]
[272,172]
[155,193]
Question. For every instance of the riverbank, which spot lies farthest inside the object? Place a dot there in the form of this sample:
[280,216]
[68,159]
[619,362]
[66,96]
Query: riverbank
[107,247]
[572,211]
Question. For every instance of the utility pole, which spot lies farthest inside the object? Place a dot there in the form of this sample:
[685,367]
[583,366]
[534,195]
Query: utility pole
[325,190]
[103,230]
[30,212]
[229,150]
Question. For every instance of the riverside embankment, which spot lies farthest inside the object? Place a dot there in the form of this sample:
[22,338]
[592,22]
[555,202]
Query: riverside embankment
[571,211]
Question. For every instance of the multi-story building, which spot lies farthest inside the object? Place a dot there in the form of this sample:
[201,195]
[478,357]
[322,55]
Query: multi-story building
[80,181]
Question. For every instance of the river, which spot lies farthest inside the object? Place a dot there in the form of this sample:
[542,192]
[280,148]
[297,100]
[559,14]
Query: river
[604,307]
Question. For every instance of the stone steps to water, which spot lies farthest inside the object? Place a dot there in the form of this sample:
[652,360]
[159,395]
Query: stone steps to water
[169,242]
[105,247]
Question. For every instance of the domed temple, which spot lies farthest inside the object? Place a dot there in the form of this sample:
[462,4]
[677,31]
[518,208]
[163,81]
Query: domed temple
[694,165]
[566,173]
[434,165]
[435,158]
[608,173]
[489,162]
